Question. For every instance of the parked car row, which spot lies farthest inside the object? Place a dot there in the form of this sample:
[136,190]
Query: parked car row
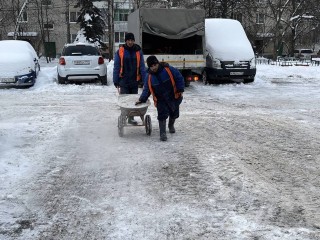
[19,66]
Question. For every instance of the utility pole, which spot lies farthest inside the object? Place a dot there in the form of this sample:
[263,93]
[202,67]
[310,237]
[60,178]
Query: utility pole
[68,21]
[18,20]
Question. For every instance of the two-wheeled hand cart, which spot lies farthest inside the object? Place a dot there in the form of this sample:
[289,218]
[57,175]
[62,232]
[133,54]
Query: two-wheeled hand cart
[129,109]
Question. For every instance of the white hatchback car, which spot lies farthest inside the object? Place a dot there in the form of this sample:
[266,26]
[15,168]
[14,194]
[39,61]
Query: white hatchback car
[81,61]
[305,54]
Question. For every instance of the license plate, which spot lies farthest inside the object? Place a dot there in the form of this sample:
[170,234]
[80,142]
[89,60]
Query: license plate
[236,73]
[7,80]
[81,62]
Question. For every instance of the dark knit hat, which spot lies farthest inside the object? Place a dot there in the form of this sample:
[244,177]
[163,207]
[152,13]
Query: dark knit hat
[129,36]
[152,60]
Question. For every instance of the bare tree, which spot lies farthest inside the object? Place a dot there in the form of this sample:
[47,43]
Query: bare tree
[309,28]
[214,8]
[291,20]
[4,15]
[136,4]
[9,10]
[43,22]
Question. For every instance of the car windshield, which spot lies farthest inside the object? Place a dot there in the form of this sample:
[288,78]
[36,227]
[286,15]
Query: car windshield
[80,50]
[306,51]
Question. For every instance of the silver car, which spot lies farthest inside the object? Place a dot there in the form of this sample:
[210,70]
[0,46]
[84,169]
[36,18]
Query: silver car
[81,62]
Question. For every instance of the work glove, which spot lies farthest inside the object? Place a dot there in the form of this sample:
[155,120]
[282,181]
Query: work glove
[138,102]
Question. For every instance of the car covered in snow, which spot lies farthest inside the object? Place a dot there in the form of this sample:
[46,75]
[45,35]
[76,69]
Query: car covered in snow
[81,62]
[229,53]
[19,64]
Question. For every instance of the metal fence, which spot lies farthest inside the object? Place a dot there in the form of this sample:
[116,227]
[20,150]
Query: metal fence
[289,61]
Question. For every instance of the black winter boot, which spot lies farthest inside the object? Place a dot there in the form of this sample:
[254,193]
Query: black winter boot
[132,121]
[162,127]
[171,125]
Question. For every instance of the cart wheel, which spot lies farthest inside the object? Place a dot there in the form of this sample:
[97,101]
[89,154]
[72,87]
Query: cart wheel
[148,125]
[120,126]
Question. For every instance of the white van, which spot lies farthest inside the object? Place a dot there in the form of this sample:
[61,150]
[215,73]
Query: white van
[229,54]
[304,53]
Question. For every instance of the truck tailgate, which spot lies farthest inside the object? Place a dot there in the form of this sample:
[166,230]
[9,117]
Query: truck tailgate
[182,61]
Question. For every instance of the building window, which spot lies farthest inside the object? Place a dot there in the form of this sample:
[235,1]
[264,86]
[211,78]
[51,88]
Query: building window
[260,18]
[73,17]
[48,26]
[73,37]
[105,37]
[119,37]
[121,14]
[46,2]
[24,16]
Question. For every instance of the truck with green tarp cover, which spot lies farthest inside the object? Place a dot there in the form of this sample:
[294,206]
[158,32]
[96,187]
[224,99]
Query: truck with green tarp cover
[175,36]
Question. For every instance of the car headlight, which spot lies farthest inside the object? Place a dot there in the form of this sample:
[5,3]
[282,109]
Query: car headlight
[26,78]
[211,61]
[216,63]
[22,78]
[253,63]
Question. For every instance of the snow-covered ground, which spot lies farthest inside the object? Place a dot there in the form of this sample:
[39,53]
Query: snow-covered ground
[243,164]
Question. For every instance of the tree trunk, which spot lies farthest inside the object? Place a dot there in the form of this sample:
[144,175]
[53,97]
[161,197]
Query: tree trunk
[111,28]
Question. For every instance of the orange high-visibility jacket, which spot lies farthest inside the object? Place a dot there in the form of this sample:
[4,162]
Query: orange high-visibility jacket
[176,93]
[121,55]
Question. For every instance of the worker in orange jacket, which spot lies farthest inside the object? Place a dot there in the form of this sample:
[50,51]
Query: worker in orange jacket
[166,85]
[129,68]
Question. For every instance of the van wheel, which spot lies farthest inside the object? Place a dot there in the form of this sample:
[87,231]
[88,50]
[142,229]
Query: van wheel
[249,80]
[204,77]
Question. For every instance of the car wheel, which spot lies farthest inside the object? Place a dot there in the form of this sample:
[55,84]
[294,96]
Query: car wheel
[104,80]
[249,80]
[205,77]
[61,80]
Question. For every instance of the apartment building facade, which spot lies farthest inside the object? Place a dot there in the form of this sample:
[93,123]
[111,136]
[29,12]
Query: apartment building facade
[49,24]
[42,23]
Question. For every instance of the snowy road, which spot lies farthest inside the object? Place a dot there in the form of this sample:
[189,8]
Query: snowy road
[243,164]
